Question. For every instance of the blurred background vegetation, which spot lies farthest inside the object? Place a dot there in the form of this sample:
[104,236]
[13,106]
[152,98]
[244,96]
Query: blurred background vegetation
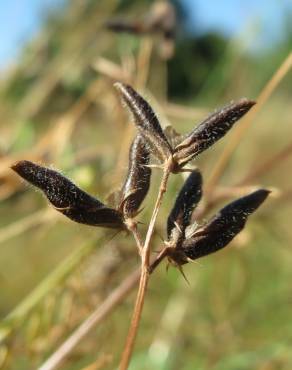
[58,107]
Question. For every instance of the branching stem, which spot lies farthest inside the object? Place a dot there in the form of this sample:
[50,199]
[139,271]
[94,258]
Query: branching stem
[145,271]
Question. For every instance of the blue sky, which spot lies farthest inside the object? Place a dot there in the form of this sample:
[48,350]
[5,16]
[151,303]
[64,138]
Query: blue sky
[233,16]
[21,19]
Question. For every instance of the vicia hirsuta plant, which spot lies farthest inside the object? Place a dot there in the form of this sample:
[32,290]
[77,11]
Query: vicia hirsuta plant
[187,240]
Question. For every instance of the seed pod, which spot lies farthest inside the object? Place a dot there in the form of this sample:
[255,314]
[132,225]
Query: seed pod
[67,198]
[146,121]
[123,25]
[224,226]
[160,18]
[137,181]
[187,199]
[211,130]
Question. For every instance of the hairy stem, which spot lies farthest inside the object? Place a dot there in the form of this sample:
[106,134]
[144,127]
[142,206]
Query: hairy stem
[126,356]
[132,227]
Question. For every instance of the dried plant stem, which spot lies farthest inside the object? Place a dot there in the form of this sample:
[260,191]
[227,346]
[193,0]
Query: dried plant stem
[159,259]
[132,226]
[145,273]
[162,190]
[143,62]
[246,122]
[126,356]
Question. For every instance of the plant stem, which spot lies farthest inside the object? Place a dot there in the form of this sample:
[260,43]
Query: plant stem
[162,190]
[132,226]
[127,353]
[158,259]
[145,258]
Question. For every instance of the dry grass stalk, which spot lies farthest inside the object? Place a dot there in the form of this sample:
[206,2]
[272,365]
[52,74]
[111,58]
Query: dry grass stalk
[238,134]
[272,162]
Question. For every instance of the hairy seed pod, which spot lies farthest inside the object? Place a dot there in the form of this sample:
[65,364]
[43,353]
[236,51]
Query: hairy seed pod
[224,226]
[160,18]
[146,121]
[187,199]
[123,25]
[211,130]
[67,198]
[138,177]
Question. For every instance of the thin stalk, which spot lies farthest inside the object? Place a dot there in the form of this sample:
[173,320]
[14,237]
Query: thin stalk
[162,190]
[127,353]
[240,130]
[132,227]
[158,259]
[132,334]
[272,162]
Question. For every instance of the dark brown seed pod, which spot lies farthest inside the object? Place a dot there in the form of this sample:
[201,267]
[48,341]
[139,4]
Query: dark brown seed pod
[187,199]
[224,226]
[160,18]
[146,121]
[138,177]
[211,130]
[123,25]
[67,198]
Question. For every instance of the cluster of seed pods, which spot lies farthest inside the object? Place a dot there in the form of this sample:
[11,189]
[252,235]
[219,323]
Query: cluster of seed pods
[186,242]
[183,242]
